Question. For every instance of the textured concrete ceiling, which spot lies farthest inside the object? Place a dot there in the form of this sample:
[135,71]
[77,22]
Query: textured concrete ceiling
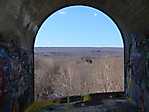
[24,17]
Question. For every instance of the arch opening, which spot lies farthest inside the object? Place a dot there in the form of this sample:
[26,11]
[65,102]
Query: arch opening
[61,58]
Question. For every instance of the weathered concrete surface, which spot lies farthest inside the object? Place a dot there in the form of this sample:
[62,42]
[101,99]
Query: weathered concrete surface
[20,21]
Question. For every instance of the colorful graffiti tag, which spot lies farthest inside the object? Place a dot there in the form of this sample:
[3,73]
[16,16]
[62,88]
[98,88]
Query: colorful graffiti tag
[15,78]
[5,68]
[145,51]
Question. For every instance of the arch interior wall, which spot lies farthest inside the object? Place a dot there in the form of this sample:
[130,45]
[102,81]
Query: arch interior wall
[20,21]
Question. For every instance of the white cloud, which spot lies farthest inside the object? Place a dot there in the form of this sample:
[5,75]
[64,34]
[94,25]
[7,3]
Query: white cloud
[62,12]
[95,14]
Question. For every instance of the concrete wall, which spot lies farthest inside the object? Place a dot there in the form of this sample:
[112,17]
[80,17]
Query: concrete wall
[20,21]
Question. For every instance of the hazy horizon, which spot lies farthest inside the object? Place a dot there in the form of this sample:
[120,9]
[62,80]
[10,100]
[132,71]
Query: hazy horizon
[75,47]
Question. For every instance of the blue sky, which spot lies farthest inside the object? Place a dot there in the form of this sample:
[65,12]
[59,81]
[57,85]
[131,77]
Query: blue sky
[78,26]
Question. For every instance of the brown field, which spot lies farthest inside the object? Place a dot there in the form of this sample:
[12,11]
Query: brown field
[76,71]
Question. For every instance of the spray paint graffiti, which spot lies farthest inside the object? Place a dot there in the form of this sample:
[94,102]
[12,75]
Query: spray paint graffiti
[5,68]
[2,82]
[139,59]
[21,76]
[145,51]
[15,77]
[136,71]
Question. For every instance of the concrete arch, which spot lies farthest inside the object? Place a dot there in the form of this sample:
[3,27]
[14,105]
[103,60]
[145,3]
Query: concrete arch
[19,23]
[82,6]
[86,5]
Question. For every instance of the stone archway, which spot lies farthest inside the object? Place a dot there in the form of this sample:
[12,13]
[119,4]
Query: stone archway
[20,20]
[41,73]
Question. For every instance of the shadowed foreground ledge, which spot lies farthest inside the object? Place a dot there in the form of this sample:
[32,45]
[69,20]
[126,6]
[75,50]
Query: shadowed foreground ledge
[101,102]
[109,105]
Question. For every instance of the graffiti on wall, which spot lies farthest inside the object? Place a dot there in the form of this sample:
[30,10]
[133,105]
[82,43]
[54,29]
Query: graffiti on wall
[15,77]
[145,51]
[135,71]
[138,69]
[5,70]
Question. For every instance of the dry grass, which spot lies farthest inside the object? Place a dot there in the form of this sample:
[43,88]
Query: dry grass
[68,76]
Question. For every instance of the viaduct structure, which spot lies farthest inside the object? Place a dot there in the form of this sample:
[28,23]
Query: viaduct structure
[19,23]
